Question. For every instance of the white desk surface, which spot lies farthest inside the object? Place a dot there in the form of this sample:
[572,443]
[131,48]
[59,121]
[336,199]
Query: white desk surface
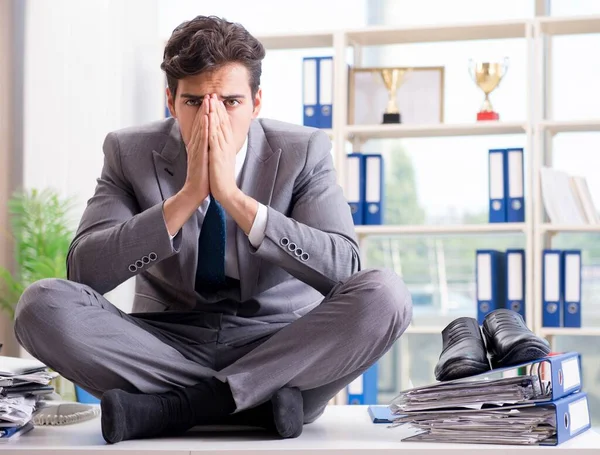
[341,430]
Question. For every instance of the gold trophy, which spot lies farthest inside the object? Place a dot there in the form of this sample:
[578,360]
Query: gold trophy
[487,75]
[393,79]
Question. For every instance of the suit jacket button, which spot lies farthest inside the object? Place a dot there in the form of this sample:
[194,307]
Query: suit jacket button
[139,264]
[292,246]
[305,256]
[132,268]
[298,252]
[152,256]
[146,260]
[284,241]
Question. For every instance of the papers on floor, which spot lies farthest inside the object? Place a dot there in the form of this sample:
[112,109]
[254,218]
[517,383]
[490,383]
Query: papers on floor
[22,383]
[567,199]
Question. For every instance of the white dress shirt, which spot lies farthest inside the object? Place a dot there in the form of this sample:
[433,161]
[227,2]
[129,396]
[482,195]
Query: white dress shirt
[257,232]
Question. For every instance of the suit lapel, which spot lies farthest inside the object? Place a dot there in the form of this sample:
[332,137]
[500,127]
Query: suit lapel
[170,165]
[258,180]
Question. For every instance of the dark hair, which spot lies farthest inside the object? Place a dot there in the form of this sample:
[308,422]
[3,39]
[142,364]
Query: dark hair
[206,43]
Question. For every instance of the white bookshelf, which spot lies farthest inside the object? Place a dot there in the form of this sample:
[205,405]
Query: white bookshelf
[544,29]
[555,127]
[424,330]
[297,40]
[570,331]
[539,128]
[364,132]
[549,228]
[459,229]
[569,25]
[382,35]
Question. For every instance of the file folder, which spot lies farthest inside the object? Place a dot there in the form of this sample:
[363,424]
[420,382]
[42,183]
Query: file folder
[572,417]
[571,287]
[567,417]
[515,281]
[559,391]
[310,91]
[325,78]
[515,206]
[560,373]
[497,174]
[363,390]
[490,282]
[355,183]
[374,189]
[551,288]
[381,414]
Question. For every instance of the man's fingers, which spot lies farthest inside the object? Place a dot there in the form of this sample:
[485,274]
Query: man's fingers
[213,127]
[225,123]
[197,129]
[204,132]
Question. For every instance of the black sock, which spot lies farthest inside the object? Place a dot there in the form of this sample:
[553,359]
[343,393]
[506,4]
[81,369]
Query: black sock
[133,416]
[282,415]
[288,412]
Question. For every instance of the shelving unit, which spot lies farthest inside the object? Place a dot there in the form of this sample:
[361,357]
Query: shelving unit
[538,128]
[545,28]
[555,127]
[459,229]
[364,132]
[548,228]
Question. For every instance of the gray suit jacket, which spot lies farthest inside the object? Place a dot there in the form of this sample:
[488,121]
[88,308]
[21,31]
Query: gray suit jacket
[309,245]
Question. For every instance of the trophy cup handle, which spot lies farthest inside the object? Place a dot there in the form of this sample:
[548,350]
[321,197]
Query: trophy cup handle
[471,69]
[506,61]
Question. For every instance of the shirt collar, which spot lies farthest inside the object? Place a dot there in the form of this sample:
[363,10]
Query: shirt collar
[240,158]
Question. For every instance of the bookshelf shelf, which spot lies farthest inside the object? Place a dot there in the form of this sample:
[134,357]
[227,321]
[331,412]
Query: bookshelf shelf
[538,128]
[569,331]
[376,36]
[578,126]
[425,330]
[297,40]
[496,228]
[569,25]
[558,228]
[365,132]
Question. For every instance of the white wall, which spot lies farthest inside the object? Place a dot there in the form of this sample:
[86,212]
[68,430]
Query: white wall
[90,67]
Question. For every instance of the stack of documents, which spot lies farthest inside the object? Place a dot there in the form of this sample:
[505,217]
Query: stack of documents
[527,425]
[22,383]
[469,395]
[540,402]
[567,199]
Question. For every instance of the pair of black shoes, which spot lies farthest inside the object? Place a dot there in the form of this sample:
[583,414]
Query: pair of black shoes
[505,337]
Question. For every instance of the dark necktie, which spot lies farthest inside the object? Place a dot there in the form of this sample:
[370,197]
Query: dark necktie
[210,273]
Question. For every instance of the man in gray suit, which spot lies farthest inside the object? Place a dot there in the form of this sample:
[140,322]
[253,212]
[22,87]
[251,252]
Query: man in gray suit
[250,303]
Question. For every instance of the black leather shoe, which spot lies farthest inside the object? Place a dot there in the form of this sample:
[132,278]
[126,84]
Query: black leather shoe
[509,340]
[464,351]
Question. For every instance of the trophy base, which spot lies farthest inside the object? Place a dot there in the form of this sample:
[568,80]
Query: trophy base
[489,115]
[391,118]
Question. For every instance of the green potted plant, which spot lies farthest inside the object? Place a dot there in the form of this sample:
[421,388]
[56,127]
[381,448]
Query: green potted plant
[41,232]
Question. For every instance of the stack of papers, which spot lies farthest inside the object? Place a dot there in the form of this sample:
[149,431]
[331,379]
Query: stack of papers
[521,426]
[470,395]
[482,411]
[22,383]
[567,199]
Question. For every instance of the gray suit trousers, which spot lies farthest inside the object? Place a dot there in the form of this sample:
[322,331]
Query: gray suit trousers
[78,333]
